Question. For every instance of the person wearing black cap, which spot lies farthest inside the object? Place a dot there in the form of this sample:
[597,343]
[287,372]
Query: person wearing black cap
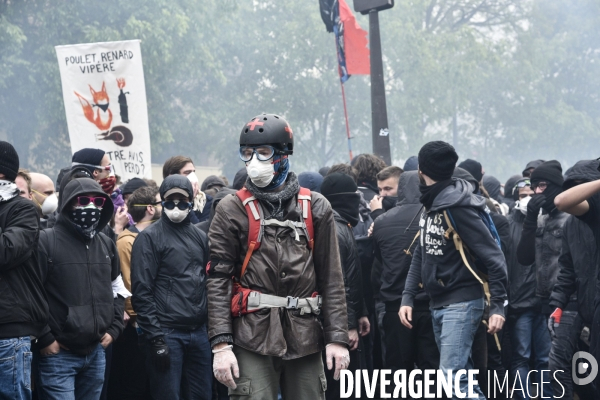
[168,280]
[131,186]
[457,296]
[23,305]
[212,182]
[541,243]
[341,191]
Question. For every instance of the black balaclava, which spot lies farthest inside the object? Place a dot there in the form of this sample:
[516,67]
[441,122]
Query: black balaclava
[340,190]
[551,172]
[437,160]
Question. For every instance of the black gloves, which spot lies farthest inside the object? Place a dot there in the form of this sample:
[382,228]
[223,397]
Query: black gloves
[535,204]
[159,353]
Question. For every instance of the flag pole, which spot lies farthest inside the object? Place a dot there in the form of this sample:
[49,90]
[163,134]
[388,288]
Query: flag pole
[344,101]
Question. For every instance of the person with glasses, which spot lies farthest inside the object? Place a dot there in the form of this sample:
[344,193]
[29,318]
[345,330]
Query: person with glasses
[526,323]
[168,278]
[541,243]
[128,377]
[280,344]
[82,278]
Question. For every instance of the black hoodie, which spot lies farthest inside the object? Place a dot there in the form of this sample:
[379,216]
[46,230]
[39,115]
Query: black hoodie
[77,276]
[438,265]
[393,242]
[577,258]
[168,274]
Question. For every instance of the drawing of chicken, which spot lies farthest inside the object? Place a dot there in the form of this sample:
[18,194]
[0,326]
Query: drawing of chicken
[103,117]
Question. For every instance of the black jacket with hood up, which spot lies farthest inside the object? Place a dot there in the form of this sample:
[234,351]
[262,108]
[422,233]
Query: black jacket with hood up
[23,306]
[438,265]
[352,273]
[168,271]
[77,276]
[577,258]
[394,243]
[521,278]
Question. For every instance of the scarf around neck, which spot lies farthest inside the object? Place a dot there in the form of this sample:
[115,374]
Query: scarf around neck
[274,201]
[429,193]
[8,190]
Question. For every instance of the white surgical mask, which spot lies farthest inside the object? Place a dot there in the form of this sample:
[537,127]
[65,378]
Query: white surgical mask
[260,172]
[176,215]
[521,204]
[50,204]
[193,177]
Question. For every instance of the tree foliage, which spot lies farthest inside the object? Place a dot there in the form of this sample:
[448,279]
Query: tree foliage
[505,80]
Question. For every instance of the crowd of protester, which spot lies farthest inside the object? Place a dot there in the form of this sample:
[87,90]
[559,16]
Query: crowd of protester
[123,290]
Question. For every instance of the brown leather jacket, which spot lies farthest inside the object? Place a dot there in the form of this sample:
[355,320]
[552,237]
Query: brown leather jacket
[283,267]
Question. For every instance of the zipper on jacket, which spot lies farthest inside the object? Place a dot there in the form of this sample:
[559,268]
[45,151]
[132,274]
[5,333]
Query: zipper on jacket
[91,287]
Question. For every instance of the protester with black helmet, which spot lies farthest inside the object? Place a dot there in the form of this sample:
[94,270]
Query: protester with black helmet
[291,277]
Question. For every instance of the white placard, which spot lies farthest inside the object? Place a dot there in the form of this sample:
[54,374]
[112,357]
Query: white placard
[105,102]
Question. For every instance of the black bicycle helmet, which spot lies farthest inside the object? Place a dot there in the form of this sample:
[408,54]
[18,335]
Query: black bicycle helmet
[268,129]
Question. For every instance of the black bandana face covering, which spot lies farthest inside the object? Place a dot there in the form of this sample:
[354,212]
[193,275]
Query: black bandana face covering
[86,220]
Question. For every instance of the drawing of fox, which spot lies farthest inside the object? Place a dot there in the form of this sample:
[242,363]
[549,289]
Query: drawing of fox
[103,117]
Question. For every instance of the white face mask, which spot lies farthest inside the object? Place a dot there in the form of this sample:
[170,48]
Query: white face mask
[193,177]
[176,215]
[260,172]
[50,204]
[521,204]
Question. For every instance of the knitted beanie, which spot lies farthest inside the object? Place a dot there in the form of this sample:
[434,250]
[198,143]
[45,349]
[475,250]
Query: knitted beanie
[338,183]
[550,171]
[473,167]
[9,161]
[132,185]
[437,160]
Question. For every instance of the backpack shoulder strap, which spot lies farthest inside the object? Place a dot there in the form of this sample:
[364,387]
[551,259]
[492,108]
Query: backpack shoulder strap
[304,200]
[253,212]
[458,243]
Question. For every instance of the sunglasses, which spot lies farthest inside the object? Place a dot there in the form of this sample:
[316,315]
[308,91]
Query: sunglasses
[541,185]
[263,153]
[108,167]
[84,201]
[171,204]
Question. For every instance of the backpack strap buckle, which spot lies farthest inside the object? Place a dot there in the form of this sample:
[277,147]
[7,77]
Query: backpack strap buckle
[292,302]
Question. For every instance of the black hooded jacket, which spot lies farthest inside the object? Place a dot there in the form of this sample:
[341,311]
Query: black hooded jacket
[205,225]
[77,276]
[350,260]
[521,278]
[577,258]
[168,271]
[438,265]
[394,243]
[23,306]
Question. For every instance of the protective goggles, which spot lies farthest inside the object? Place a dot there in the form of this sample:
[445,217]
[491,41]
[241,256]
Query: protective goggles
[521,184]
[263,153]
[171,204]
[84,201]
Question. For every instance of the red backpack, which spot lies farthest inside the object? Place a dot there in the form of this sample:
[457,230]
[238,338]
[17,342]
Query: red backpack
[239,299]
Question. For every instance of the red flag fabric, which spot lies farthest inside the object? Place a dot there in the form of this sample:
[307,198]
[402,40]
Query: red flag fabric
[355,43]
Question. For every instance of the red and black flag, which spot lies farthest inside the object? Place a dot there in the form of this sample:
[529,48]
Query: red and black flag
[351,40]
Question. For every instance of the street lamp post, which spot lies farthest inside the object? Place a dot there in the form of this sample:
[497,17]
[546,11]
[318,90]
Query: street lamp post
[379,121]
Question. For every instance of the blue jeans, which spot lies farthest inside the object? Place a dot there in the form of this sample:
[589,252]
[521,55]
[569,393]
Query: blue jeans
[15,368]
[70,376]
[454,327]
[529,330]
[190,374]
